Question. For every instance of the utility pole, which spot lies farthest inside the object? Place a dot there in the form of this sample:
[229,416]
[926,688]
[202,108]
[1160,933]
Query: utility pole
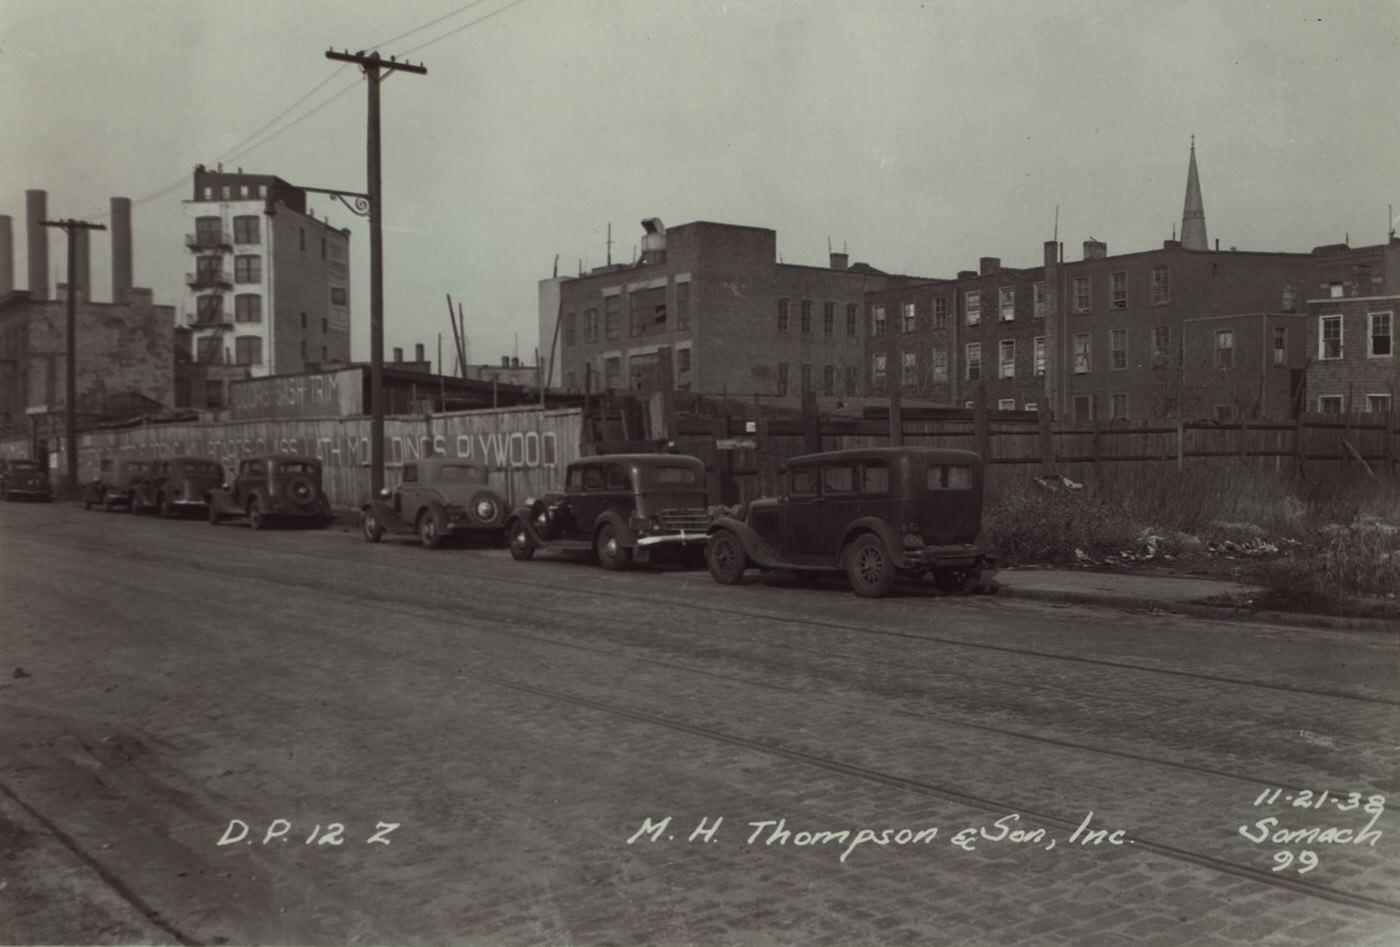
[70,374]
[373,67]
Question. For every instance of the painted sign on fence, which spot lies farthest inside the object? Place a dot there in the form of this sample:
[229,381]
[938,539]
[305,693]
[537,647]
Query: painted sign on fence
[336,394]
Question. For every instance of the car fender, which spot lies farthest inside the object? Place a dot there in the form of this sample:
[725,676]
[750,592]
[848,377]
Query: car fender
[888,535]
[755,547]
[219,499]
[385,515]
[618,522]
[432,508]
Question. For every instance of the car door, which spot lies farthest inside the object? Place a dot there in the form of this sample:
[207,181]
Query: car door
[409,496]
[802,516]
[841,504]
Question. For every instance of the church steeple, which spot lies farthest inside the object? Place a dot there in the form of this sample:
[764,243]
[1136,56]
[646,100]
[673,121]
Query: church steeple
[1193,214]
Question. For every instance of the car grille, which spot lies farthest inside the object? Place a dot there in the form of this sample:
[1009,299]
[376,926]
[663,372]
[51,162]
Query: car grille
[696,519]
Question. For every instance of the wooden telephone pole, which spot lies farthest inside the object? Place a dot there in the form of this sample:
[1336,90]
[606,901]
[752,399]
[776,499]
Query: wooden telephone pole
[70,374]
[374,67]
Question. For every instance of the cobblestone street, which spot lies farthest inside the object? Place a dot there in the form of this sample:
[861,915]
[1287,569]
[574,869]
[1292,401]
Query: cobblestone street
[221,736]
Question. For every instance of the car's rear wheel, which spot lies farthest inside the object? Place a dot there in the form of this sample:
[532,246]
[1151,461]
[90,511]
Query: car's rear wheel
[725,557]
[612,554]
[257,516]
[429,535]
[521,546]
[215,517]
[868,567]
[369,524]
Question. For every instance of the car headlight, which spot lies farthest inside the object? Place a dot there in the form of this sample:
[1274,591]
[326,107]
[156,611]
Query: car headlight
[485,509]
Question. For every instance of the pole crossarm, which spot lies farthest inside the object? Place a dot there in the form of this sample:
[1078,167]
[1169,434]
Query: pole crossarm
[373,59]
[354,201]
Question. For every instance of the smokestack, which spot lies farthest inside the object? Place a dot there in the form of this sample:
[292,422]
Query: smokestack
[1095,249]
[988,265]
[121,248]
[839,261]
[7,255]
[37,211]
[83,281]
[418,351]
[398,353]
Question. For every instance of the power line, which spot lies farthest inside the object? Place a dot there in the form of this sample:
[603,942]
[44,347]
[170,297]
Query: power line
[464,26]
[419,29]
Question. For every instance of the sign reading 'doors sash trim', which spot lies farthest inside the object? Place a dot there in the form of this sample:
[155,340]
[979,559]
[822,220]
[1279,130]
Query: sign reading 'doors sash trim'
[336,394]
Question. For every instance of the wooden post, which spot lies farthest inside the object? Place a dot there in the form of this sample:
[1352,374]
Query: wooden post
[666,381]
[811,423]
[715,476]
[1047,442]
[896,417]
[1180,445]
[1390,437]
[981,427]
[766,462]
[1299,458]
[1098,453]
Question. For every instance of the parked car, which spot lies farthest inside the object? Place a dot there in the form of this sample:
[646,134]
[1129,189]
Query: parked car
[876,514]
[176,485]
[271,488]
[24,479]
[436,498]
[621,507]
[115,480]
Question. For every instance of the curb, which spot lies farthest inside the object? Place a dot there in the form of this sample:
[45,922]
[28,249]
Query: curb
[1203,610]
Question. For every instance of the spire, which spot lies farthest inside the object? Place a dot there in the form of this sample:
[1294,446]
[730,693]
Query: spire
[1193,214]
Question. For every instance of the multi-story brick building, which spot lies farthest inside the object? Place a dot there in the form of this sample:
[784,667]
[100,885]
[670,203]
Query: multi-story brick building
[269,291]
[735,320]
[1351,328]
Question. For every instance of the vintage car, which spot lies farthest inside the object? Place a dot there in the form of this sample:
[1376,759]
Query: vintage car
[115,480]
[876,514]
[621,507]
[271,488]
[24,479]
[436,498]
[176,485]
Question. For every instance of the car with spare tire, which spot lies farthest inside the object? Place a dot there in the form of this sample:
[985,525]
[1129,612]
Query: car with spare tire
[271,489]
[437,498]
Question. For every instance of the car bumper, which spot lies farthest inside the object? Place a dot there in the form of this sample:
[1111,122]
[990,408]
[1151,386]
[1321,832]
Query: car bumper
[44,492]
[949,557]
[680,537]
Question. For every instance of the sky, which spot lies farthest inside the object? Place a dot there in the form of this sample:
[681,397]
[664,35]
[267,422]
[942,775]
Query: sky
[920,136]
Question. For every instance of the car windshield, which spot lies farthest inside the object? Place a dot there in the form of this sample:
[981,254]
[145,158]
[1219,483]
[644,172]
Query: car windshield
[298,467]
[192,467]
[459,473]
[949,477]
[684,476]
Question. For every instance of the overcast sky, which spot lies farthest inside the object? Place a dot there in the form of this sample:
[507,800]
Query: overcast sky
[921,136]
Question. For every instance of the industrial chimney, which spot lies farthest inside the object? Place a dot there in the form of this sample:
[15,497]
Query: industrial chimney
[121,248]
[37,211]
[7,255]
[654,241]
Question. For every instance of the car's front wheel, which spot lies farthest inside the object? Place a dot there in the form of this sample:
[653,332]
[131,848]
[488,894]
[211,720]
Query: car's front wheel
[370,526]
[215,517]
[429,535]
[521,546]
[868,567]
[257,516]
[612,554]
[725,557]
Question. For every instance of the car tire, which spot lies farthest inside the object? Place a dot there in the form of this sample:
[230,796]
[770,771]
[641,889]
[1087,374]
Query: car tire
[725,557]
[370,526]
[868,567]
[429,535]
[257,516]
[522,548]
[612,555]
[133,506]
[164,508]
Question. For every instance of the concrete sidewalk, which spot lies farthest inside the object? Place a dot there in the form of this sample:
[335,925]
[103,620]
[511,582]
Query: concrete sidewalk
[1189,595]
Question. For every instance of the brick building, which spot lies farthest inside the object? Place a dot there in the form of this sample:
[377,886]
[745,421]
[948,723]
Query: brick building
[269,289]
[733,319]
[1351,327]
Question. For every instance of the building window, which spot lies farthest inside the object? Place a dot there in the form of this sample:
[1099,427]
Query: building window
[245,230]
[940,312]
[1006,303]
[1329,337]
[682,305]
[1225,348]
[247,269]
[209,269]
[829,318]
[338,296]
[590,325]
[782,378]
[1083,300]
[1378,404]
[909,369]
[877,369]
[209,350]
[568,329]
[248,350]
[612,372]
[683,360]
[1032,406]
[1118,349]
[612,313]
[852,380]
[851,320]
[1006,404]
[1161,285]
[210,308]
[1038,349]
[829,380]
[782,315]
[973,302]
[908,321]
[247,307]
[209,231]
[806,317]
[877,320]
[213,394]
[1118,407]
[1118,291]
[1084,407]
[1280,345]
[1336,290]
[1330,404]
[1161,346]
[1038,297]
[1006,358]
[974,361]
[1381,344]
[1081,354]
[938,365]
